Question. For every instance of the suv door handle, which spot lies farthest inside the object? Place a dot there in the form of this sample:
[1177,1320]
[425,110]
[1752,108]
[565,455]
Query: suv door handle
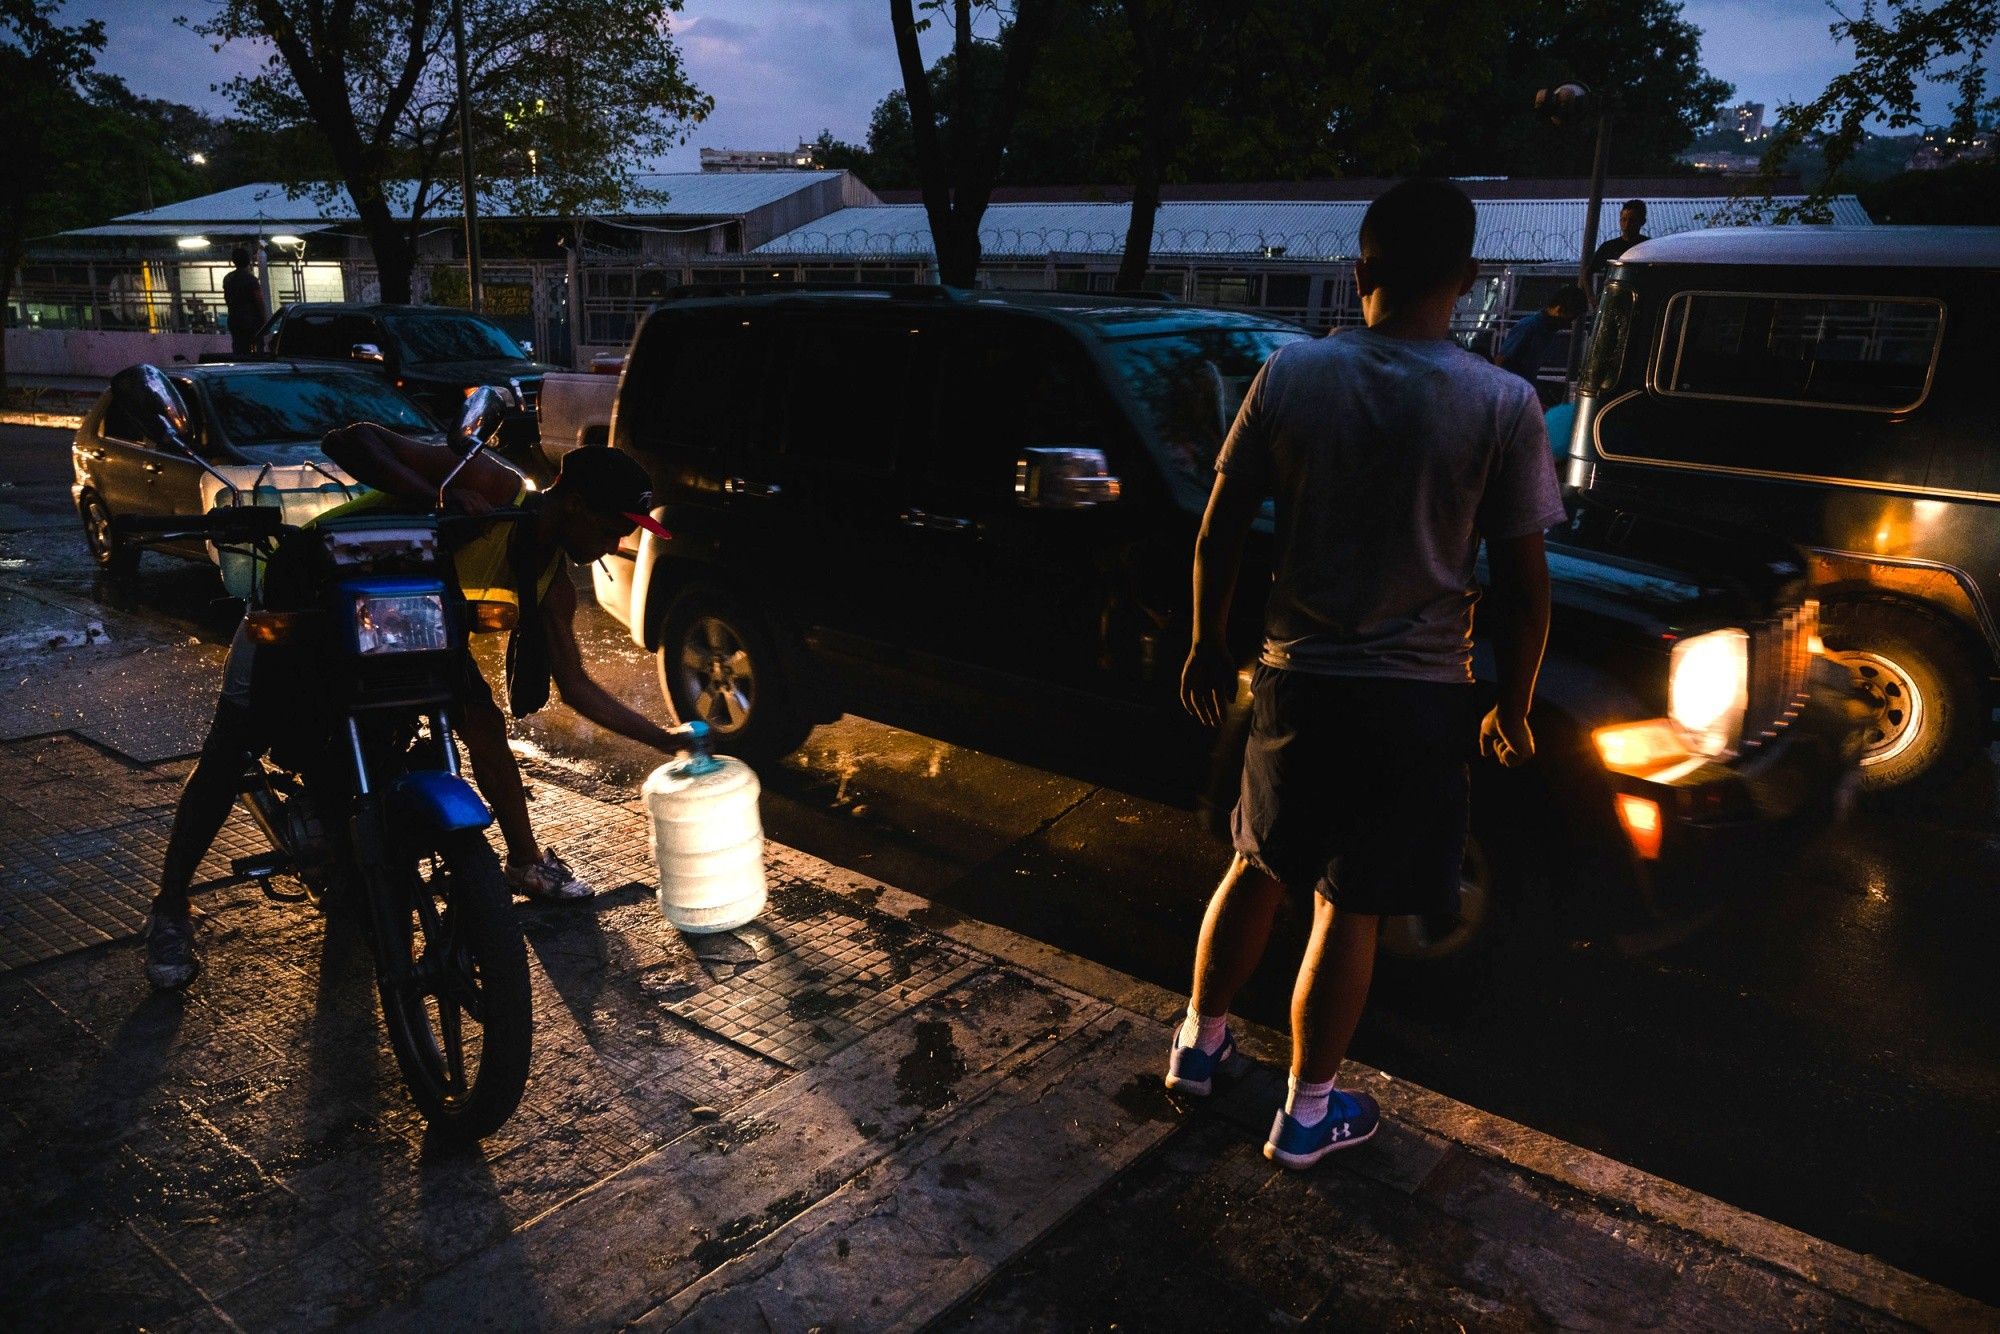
[940,523]
[153,468]
[743,486]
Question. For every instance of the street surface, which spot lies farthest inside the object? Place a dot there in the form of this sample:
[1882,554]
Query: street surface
[1823,1054]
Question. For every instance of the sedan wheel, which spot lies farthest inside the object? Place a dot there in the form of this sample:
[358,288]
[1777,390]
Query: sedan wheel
[113,555]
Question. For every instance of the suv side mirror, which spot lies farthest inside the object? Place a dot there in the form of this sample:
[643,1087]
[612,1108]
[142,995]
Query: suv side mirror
[148,398]
[366,352]
[1064,478]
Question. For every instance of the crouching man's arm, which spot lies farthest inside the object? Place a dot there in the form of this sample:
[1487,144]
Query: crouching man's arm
[577,688]
[1517,612]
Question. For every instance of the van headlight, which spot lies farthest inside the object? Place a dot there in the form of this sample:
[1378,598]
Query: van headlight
[1708,684]
[400,623]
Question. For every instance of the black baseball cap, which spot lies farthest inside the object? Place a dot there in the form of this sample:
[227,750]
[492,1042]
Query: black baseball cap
[610,483]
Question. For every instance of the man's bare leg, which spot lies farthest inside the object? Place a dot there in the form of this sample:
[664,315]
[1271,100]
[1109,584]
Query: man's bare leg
[1331,990]
[1233,935]
[484,730]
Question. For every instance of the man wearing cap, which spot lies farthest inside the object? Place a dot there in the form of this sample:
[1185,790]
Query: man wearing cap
[597,499]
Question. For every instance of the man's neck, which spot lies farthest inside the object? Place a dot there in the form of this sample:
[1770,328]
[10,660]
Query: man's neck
[1419,321]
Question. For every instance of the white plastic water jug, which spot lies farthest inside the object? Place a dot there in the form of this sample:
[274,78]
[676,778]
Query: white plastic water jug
[708,839]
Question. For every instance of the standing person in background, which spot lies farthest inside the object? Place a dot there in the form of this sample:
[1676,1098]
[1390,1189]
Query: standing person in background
[243,296]
[1631,231]
[1390,452]
[1525,350]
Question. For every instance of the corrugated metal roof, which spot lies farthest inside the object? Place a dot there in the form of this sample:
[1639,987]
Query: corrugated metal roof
[1527,230]
[689,194]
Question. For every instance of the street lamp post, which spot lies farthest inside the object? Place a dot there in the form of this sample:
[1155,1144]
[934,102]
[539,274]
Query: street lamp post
[474,294]
[1565,105]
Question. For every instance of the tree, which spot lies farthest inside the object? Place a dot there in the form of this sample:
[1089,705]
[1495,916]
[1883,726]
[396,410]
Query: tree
[1898,47]
[1641,57]
[957,170]
[41,63]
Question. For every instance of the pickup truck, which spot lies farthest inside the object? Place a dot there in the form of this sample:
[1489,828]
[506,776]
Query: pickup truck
[576,406]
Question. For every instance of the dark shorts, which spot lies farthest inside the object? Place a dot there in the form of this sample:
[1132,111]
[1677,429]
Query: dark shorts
[1357,788]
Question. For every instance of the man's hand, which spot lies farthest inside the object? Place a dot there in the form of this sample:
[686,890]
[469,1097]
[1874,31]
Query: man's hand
[468,501]
[1208,682]
[1506,737]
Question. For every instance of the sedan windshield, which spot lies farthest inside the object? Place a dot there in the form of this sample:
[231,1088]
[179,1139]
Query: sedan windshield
[269,409]
[1189,385]
[451,338]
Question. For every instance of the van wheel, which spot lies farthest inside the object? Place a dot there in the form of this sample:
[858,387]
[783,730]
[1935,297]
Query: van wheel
[1457,937]
[1922,687]
[114,555]
[718,663]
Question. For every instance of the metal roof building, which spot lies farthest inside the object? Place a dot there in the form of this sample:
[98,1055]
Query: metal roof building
[1510,230]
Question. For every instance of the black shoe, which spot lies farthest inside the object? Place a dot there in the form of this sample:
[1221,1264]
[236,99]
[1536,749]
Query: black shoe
[171,962]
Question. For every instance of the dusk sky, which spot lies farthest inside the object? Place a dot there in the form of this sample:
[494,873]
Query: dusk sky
[782,70]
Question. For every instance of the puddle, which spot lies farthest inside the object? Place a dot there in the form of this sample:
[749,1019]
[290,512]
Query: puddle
[928,1077]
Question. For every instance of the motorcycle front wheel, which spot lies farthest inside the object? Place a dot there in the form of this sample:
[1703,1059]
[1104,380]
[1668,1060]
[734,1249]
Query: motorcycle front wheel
[460,1016]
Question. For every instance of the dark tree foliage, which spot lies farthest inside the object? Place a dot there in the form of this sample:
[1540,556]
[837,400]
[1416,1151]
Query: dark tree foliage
[1899,46]
[1641,57]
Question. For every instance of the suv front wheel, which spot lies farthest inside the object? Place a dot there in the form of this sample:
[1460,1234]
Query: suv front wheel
[718,663]
[1921,684]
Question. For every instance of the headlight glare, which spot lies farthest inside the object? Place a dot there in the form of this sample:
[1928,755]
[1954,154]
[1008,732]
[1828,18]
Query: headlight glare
[402,623]
[1708,688]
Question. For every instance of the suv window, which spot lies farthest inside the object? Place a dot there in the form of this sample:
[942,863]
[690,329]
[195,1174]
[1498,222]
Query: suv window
[689,384]
[849,391]
[1863,353]
[1009,385]
[1189,385]
[325,335]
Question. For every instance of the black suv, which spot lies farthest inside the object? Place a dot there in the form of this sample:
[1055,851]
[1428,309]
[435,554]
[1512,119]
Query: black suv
[435,354]
[1000,494]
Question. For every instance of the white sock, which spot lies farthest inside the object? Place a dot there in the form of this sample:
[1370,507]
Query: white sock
[1306,1103]
[1201,1032]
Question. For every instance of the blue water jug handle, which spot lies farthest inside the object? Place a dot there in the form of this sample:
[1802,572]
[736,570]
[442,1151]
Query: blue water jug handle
[700,760]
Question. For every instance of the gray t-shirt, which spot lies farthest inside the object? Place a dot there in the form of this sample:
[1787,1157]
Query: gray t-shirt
[1388,460]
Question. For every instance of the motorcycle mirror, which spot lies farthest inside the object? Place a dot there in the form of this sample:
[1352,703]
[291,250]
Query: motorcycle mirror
[148,397]
[484,408]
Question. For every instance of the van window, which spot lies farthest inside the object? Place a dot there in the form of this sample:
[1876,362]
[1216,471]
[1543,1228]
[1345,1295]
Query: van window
[1610,338]
[1866,353]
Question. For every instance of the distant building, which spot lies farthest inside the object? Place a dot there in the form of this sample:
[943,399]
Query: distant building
[1747,119]
[757,159]
[1725,163]
[1942,148]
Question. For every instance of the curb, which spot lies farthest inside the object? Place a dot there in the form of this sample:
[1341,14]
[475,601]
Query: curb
[1858,1278]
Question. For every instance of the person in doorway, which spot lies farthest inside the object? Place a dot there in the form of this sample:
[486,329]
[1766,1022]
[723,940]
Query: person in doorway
[243,298]
[597,499]
[1525,349]
[1631,231]
[1390,452]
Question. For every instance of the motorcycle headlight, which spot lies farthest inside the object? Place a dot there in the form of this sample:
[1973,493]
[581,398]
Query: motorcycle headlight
[1707,689]
[402,623]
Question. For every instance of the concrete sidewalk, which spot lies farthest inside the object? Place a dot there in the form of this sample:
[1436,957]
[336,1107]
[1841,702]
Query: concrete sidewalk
[864,1112]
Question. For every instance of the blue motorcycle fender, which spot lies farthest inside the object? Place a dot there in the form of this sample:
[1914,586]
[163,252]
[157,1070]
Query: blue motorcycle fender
[442,803]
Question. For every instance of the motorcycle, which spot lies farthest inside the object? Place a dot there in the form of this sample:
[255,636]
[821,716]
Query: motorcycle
[361,637]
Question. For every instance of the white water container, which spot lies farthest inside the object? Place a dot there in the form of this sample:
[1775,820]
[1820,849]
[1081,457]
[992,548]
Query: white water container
[708,839]
[300,492]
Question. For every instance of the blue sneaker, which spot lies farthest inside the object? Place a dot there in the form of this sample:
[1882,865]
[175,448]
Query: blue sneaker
[1351,1119]
[1192,1070]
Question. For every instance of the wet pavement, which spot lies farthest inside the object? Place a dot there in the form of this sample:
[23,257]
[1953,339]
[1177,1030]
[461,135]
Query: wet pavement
[1823,1054]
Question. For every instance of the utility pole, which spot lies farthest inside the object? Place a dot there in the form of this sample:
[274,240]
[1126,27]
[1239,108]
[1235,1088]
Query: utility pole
[1597,164]
[466,190]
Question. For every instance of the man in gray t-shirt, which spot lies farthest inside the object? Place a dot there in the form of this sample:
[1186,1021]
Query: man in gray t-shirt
[1389,458]
[1390,453]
